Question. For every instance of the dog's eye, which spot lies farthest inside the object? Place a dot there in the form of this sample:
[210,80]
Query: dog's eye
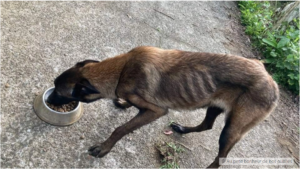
[84,91]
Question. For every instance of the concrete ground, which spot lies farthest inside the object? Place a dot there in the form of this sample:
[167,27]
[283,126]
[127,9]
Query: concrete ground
[39,40]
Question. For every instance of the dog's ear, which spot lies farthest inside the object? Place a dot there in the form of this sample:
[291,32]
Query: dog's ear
[83,88]
[81,64]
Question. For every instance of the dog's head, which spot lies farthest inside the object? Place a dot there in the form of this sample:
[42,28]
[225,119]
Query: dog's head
[72,86]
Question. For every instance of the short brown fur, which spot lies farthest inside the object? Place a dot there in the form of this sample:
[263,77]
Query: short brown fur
[154,80]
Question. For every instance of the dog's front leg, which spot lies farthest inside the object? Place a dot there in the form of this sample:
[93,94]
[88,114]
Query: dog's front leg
[147,113]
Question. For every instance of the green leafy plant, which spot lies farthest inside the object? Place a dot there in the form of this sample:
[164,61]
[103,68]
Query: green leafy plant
[257,18]
[279,47]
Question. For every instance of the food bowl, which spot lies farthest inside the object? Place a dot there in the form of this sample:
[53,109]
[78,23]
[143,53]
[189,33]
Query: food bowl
[53,117]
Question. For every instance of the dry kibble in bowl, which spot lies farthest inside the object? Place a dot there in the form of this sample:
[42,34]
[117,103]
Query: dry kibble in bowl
[63,108]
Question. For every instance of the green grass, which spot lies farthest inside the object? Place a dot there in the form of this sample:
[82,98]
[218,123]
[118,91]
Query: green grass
[176,148]
[168,164]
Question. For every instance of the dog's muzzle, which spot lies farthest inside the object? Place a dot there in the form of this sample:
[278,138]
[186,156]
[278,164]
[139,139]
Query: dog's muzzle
[57,99]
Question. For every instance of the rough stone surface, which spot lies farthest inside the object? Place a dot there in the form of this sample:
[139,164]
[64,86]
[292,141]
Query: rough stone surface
[39,40]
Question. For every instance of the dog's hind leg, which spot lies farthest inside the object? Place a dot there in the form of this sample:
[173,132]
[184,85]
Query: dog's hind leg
[211,114]
[230,135]
[121,103]
[244,116]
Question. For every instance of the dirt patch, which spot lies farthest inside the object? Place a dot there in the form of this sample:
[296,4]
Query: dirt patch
[169,153]
[238,42]
[288,122]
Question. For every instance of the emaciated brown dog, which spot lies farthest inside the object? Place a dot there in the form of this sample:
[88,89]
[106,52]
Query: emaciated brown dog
[154,80]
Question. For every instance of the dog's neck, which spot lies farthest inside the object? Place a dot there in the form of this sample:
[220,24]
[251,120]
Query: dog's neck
[104,76]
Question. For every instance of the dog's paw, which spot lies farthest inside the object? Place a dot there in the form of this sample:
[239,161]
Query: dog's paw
[97,151]
[178,128]
[121,103]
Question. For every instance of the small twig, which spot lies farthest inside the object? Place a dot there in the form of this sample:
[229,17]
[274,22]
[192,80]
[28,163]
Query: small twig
[184,145]
[164,14]
[204,147]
